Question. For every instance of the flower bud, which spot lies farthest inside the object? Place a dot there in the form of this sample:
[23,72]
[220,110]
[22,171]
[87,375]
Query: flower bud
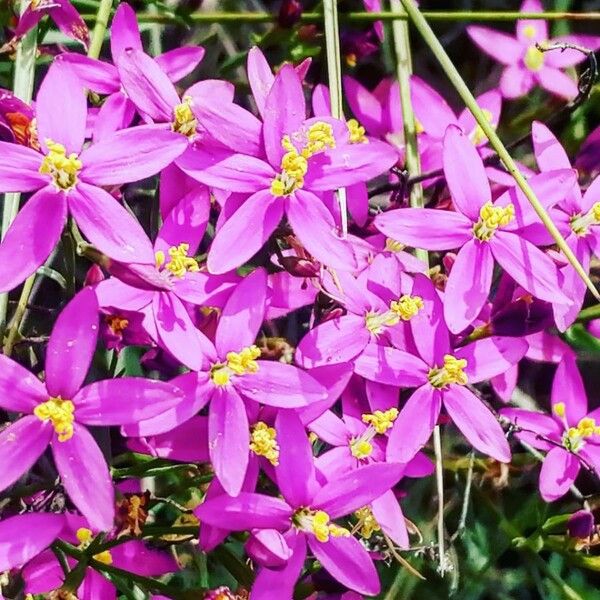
[289,13]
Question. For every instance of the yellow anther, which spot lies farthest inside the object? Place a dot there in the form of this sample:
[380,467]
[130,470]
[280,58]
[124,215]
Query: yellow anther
[184,121]
[381,420]
[85,537]
[478,135]
[407,306]
[451,372]
[294,164]
[529,31]
[60,413]
[393,246]
[62,168]
[220,376]
[492,218]
[367,524]
[419,126]
[180,263]
[245,361]
[534,58]
[357,132]
[116,323]
[263,442]
[559,409]
[360,448]
[318,523]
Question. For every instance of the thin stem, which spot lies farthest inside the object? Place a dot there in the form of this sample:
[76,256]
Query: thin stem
[361,17]
[439,480]
[11,336]
[101,23]
[466,497]
[469,100]
[23,89]
[334,73]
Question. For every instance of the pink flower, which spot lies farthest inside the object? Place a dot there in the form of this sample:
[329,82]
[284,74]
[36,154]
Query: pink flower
[525,65]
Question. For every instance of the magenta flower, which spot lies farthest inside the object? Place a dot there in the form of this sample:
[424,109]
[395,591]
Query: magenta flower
[62,12]
[230,375]
[23,537]
[44,575]
[163,277]
[577,216]
[57,410]
[118,110]
[570,436]
[440,374]
[485,231]
[70,180]
[305,515]
[525,65]
[303,159]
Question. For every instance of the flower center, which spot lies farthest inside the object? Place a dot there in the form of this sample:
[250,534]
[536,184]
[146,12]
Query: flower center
[116,323]
[357,132]
[85,537]
[294,164]
[451,372]
[238,363]
[580,224]
[367,524]
[180,263]
[477,135]
[379,422]
[60,413]
[62,168]
[393,246]
[403,309]
[263,442]
[534,58]
[492,218]
[574,438]
[318,523]
[184,121]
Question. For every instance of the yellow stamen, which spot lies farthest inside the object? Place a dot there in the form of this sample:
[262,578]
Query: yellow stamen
[367,524]
[180,262]
[60,413]
[318,523]
[559,409]
[263,442]
[62,168]
[238,363]
[534,58]
[184,121]
[580,224]
[478,135]
[393,246]
[407,306]
[116,323]
[357,132]
[381,420]
[85,537]
[360,448]
[574,438]
[294,164]
[492,218]
[451,372]
[529,31]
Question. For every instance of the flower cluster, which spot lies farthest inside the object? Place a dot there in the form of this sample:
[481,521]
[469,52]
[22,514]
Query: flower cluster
[293,371]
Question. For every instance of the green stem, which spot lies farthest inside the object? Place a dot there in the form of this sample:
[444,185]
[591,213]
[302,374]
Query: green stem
[362,17]
[101,23]
[589,314]
[13,331]
[465,93]
[334,75]
[23,89]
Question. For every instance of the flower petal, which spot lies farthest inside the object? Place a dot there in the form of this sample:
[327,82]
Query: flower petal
[124,31]
[20,390]
[130,155]
[390,366]
[348,562]
[568,389]
[72,344]
[387,512]
[23,537]
[21,444]
[426,228]
[228,439]
[504,48]
[559,471]
[557,82]
[109,226]
[476,422]
[84,473]
[414,424]
[516,81]
[280,385]
[32,236]
[245,232]
[179,62]
[20,168]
